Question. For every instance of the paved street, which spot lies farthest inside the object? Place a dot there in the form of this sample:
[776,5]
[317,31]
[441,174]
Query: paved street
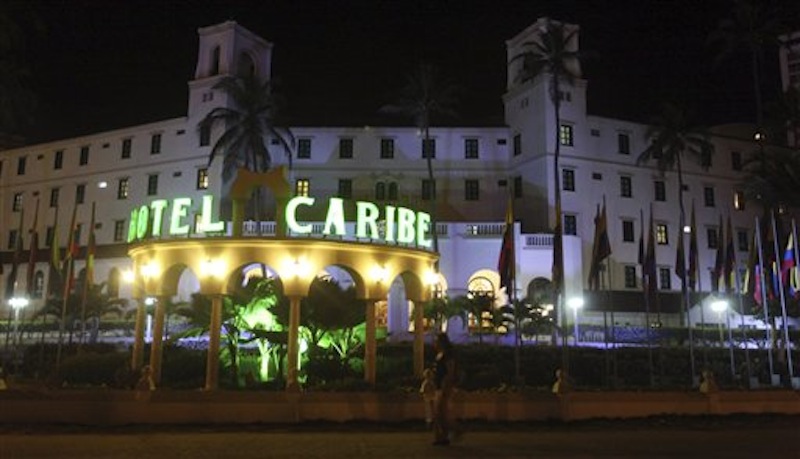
[752,438]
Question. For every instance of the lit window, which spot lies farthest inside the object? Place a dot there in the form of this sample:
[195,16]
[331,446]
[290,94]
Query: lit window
[738,200]
[123,188]
[662,234]
[568,179]
[155,144]
[84,159]
[301,187]
[565,135]
[202,179]
[471,148]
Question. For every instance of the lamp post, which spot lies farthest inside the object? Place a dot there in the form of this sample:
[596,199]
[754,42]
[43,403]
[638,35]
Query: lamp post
[719,306]
[17,304]
[575,303]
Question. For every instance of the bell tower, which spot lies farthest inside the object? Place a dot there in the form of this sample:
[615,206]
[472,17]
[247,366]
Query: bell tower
[225,49]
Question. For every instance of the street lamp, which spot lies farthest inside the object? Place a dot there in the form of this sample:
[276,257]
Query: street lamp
[17,304]
[575,303]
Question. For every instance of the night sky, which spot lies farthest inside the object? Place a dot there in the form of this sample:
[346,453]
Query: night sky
[100,65]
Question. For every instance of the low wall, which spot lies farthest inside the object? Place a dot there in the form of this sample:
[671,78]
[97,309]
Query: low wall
[110,407]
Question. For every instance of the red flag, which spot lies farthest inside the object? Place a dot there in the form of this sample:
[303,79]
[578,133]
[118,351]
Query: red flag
[32,254]
[506,262]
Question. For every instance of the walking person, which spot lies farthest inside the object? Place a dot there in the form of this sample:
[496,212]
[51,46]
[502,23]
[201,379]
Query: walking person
[445,379]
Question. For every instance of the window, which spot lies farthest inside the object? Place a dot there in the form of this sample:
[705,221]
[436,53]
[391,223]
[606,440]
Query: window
[12,239]
[630,276]
[84,158]
[627,231]
[21,165]
[155,144]
[387,148]
[345,188]
[126,148]
[429,148]
[428,189]
[738,199]
[736,160]
[302,187]
[623,144]
[471,148]
[205,135]
[595,132]
[568,179]
[54,197]
[392,191]
[705,158]
[708,196]
[58,160]
[123,188]
[38,284]
[152,184]
[346,148]
[80,193]
[565,135]
[16,204]
[742,240]
[119,230]
[665,278]
[570,225]
[713,238]
[517,187]
[304,148]
[661,190]
[597,176]
[380,191]
[202,179]
[472,190]
[625,187]
[662,234]
[517,144]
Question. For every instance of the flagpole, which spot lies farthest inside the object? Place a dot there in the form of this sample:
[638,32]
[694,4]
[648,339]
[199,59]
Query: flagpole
[764,304]
[744,329]
[646,291]
[784,318]
[69,268]
[87,278]
[730,261]
[685,297]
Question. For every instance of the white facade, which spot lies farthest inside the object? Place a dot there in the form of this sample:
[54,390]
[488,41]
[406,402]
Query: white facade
[520,153]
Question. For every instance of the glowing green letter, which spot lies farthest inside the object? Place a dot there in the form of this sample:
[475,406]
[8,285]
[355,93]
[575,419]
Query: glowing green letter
[335,217]
[405,225]
[158,207]
[141,222]
[291,210]
[367,214]
[205,219]
[423,228]
[180,207]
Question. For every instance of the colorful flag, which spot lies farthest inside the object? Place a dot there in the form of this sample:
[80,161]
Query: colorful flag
[11,281]
[33,253]
[719,264]
[694,254]
[601,248]
[558,253]
[730,258]
[788,263]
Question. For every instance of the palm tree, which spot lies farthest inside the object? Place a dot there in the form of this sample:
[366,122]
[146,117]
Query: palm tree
[252,123]
[752,26]
[773,181]
[99,304]
[425,95]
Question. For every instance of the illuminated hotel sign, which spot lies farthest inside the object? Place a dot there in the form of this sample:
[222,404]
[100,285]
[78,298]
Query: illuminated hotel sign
[399,224]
